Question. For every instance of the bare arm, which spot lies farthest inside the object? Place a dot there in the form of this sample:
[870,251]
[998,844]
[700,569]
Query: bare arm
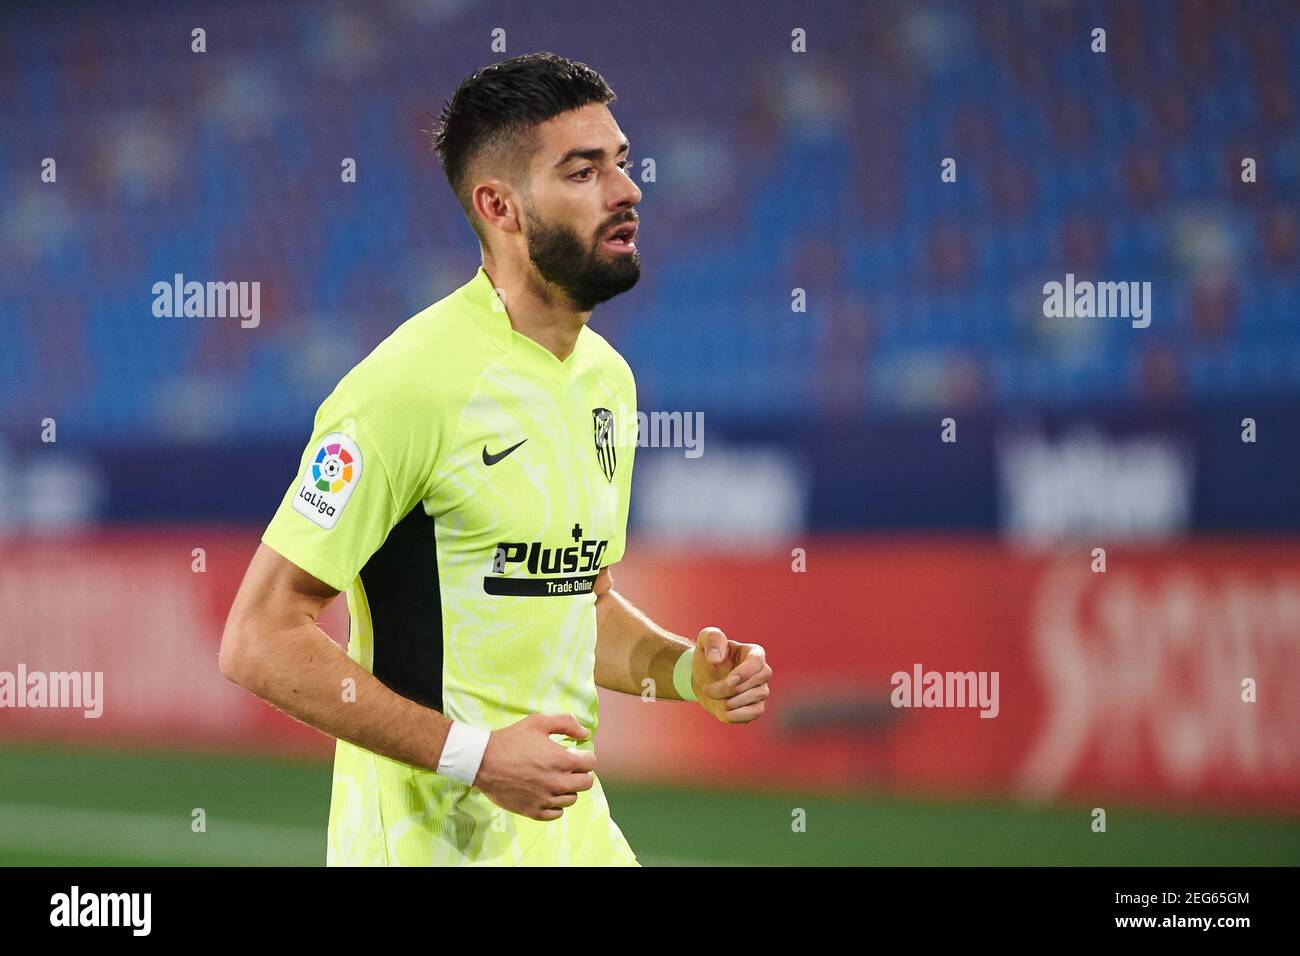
[272,647]
[730,679]
[630,647]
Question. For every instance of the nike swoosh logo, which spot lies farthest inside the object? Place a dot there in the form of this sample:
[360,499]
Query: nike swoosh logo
[493,459]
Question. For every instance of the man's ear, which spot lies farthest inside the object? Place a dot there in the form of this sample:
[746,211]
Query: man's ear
[492,207]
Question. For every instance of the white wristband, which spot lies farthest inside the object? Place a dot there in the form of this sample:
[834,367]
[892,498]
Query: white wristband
[463,752]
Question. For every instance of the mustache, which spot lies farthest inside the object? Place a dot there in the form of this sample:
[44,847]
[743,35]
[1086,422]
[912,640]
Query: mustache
[617,222]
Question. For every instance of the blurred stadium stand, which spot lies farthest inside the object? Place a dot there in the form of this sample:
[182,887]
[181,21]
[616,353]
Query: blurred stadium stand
[820,174]
[1123,166]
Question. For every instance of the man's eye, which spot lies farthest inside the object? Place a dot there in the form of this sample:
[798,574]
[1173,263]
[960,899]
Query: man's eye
[586,169]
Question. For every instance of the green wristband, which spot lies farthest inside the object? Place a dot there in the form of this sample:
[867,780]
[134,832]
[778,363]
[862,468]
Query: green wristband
[682,675]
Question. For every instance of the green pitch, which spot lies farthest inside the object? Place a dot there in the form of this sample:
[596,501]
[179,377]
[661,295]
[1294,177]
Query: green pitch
[82,807]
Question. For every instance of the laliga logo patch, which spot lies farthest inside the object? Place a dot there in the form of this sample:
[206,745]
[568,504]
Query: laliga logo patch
[329,480]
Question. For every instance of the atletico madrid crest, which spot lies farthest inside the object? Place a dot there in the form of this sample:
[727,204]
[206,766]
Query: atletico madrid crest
[602,421]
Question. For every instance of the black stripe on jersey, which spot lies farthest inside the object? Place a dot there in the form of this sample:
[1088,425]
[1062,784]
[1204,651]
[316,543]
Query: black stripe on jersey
[540,587]
[401,585]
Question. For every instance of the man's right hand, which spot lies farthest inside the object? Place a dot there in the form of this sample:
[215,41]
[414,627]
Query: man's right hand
[526,772]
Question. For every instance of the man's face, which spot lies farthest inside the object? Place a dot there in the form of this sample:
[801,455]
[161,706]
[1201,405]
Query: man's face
[579,193]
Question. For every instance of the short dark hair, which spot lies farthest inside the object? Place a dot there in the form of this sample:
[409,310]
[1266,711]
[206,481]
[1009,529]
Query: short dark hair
[493,114]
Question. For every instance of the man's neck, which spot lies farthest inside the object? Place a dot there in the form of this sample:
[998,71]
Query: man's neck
[542,313]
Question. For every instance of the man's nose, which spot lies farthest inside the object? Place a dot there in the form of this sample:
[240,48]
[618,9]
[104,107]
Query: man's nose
[629,194]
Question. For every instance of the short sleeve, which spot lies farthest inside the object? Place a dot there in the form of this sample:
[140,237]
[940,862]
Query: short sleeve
[626,436]
[347,495]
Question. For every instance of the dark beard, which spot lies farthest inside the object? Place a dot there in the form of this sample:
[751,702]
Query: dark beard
[586,275]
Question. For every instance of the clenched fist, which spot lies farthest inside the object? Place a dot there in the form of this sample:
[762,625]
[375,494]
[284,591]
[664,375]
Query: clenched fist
[729,678]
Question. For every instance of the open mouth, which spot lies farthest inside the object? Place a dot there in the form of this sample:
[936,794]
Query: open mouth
[622,239]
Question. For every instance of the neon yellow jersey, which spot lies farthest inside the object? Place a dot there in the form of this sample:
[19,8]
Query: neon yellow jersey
[464,487]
